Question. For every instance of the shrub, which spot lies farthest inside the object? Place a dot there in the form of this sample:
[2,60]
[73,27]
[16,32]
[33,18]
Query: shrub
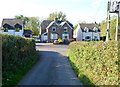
[96,61]
[60,40]
[18,56]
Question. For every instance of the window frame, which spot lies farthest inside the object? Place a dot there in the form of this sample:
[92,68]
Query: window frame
[66,29]
[54,37]
[64,35]
[54,28]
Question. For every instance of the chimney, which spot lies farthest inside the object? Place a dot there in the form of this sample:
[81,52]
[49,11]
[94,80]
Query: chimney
[55,19]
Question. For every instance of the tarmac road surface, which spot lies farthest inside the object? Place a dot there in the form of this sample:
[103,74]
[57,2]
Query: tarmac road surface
[53,68]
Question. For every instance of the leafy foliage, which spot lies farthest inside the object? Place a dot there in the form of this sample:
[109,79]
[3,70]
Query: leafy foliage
[98,61]
[103,27]
[30,23]
[33,24]
[18,56]
[60,15]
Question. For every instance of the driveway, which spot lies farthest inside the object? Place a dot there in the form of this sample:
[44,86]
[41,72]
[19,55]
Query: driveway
[52,68]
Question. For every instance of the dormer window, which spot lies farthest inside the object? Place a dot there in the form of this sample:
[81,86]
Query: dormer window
[95,30]
[86,29]
[53,29]
[17,29]
[6,26]
[18,26]
[65,29]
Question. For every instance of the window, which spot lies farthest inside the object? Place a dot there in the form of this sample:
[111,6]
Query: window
[95,29]
[65,36]
[86,29]
[65,29]
[53,29]
[54,36]
[95,37]
[87,38]
[18,26]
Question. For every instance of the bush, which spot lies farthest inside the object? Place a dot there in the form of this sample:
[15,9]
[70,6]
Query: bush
[18,56]
[95,62]
[60,40]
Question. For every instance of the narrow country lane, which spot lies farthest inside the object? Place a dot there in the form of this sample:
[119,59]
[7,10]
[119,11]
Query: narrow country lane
[52,68]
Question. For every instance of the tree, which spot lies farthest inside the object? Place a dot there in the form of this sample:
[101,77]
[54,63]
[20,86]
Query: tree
[60,15]
[30,23]
[25,19]
[33,24]
[103,27]
[75,27]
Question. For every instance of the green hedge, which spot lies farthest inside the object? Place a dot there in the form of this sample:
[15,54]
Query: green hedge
[96,63]
[18,56]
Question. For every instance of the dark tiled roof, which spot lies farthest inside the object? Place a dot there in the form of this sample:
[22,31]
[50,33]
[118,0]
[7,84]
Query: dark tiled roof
[45,23]
[12,22]
[27,32]
[90,26]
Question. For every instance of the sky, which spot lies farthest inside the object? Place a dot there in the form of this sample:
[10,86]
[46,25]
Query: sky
[75,10]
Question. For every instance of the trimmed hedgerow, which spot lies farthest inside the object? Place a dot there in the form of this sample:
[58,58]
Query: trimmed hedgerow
[96,63]
[18,56]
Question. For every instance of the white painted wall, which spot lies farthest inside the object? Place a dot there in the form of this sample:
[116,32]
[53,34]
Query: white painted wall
[20,33]
[44,37]
[78,34]
[85,34]
[96,34]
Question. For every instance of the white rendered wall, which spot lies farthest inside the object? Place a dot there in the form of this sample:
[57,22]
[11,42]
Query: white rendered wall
[20,33]
[97,35]
[78,34]
[85,34]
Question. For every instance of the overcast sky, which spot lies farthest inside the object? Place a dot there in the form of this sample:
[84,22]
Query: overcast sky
[76,10]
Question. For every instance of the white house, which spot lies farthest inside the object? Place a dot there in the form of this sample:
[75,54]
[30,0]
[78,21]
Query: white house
[87,32]
[12,26]
[15,27]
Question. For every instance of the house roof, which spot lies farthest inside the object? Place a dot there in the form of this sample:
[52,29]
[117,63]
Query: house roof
[12,22]
[46,23]
[91,26]
[26,32]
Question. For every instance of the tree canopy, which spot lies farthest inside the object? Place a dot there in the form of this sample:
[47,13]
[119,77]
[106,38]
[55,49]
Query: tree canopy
[31,23]
[103,27]
[60,15]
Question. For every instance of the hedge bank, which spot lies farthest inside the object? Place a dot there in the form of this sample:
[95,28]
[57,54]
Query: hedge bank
[18,56]
[95,63]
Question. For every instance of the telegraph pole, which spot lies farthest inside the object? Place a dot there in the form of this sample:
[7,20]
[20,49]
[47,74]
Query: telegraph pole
[115,9]
[117,22]
[116,37]
[108,20]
